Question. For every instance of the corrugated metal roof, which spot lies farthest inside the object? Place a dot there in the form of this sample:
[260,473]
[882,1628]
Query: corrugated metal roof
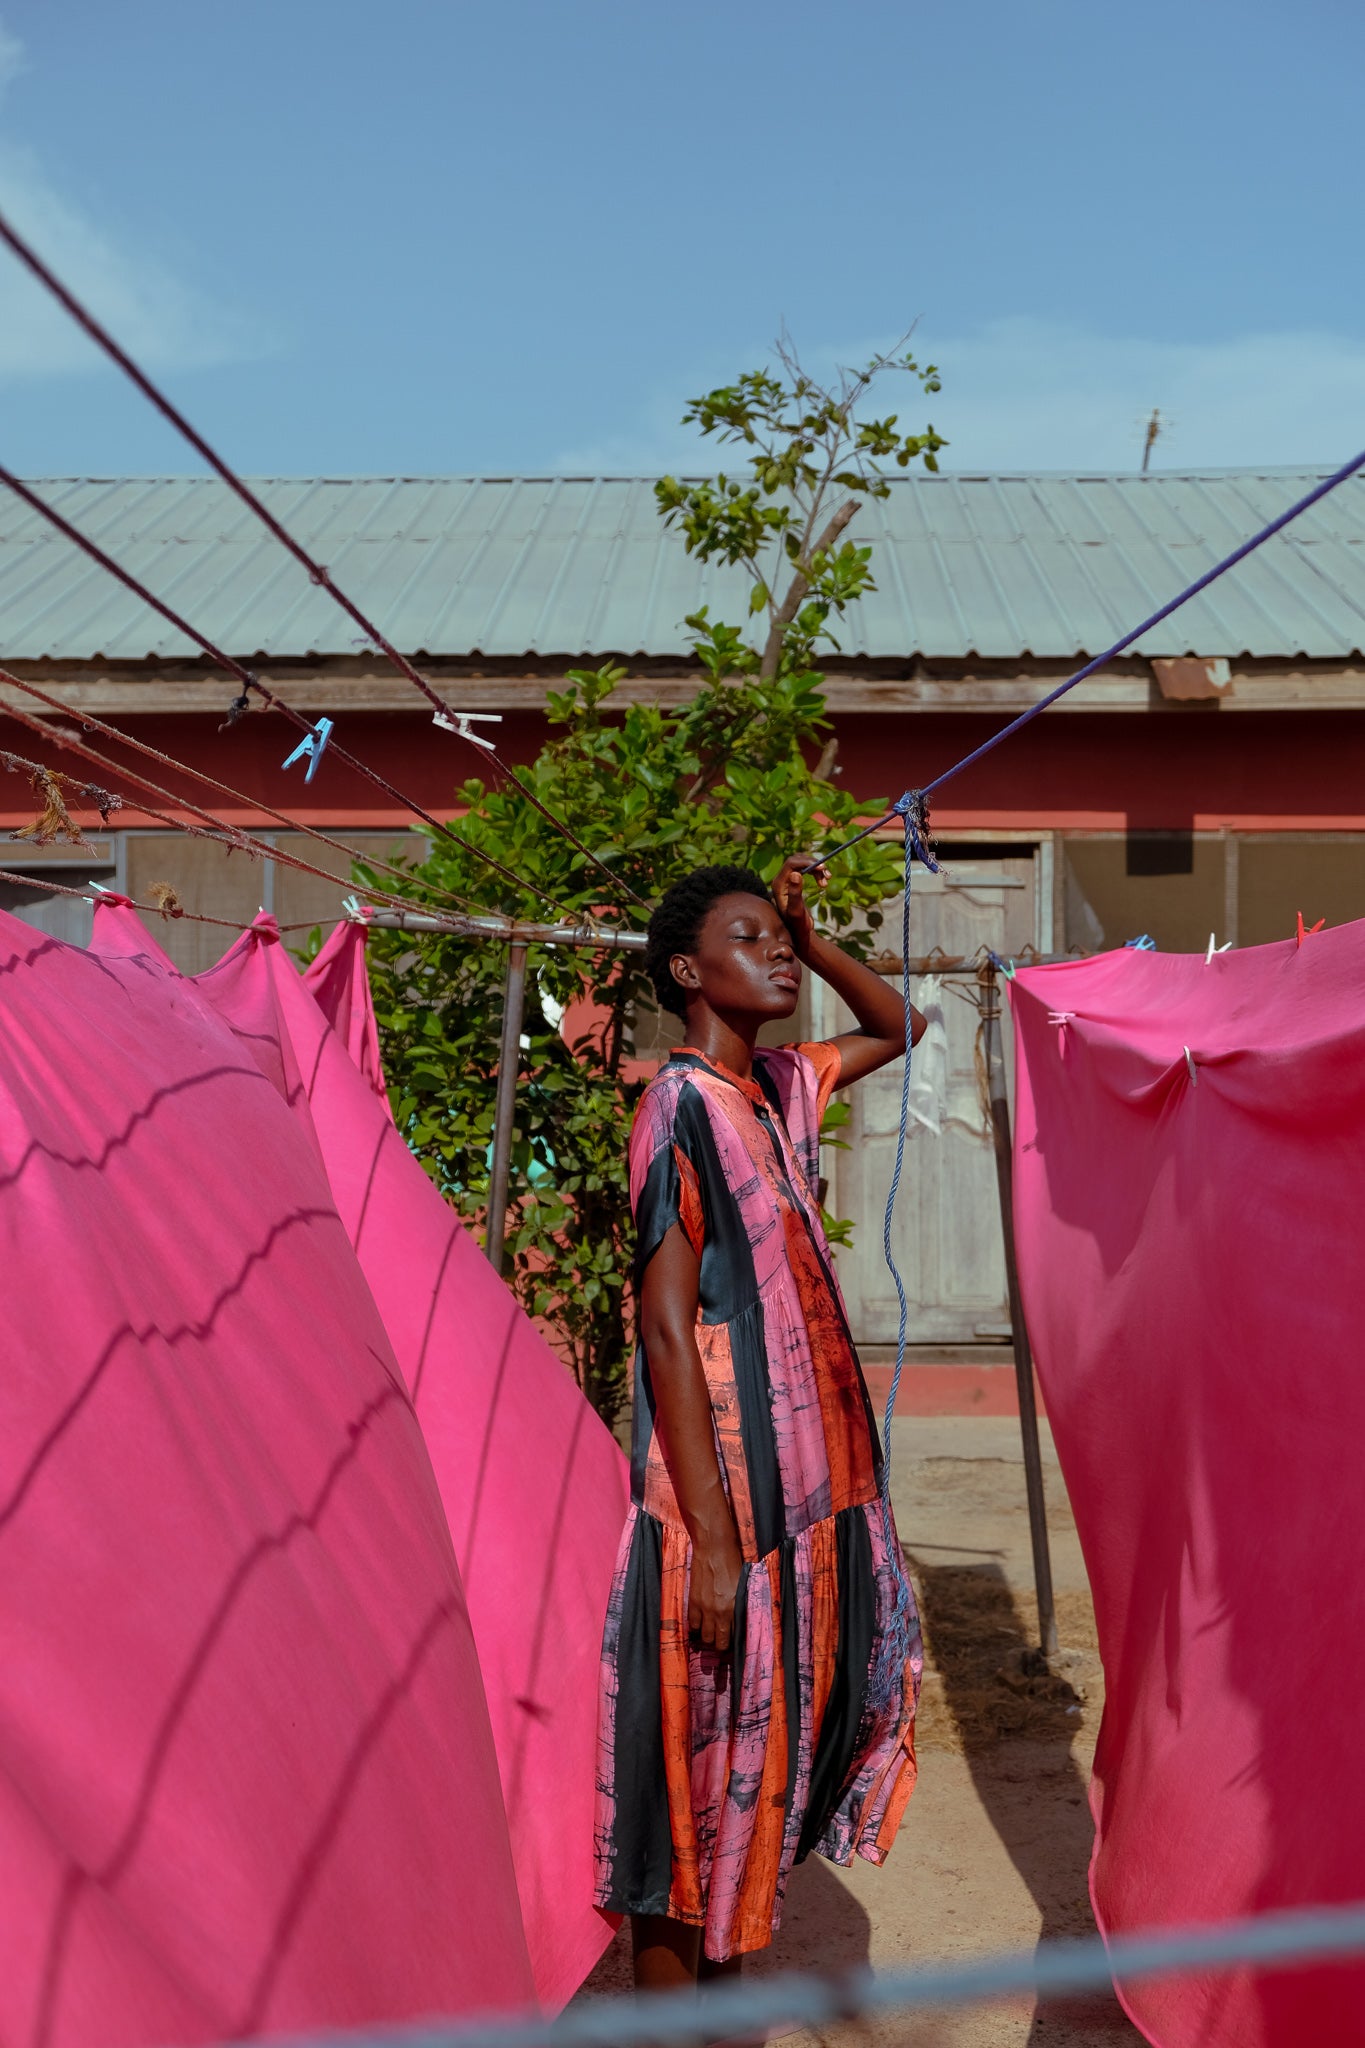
[997,567]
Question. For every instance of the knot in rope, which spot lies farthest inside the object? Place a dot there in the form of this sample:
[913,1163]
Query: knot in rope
[239,706]
[913,808]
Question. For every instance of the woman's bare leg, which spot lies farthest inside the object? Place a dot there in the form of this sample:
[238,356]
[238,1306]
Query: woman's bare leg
[667,1952]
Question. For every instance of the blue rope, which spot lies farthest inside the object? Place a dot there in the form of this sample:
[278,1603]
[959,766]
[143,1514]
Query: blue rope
[900,1635]
[910,809]
[1338,476]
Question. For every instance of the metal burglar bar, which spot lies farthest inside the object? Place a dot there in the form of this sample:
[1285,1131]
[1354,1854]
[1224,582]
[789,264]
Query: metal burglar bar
[516,937]
[1059,1969]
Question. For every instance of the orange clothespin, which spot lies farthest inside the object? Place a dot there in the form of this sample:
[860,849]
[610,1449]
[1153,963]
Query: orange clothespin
[1307,931]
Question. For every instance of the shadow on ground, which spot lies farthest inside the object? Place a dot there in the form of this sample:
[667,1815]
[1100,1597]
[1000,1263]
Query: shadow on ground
[988,1695]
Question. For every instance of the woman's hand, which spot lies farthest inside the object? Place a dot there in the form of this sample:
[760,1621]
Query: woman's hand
[789,895]
[717,1562]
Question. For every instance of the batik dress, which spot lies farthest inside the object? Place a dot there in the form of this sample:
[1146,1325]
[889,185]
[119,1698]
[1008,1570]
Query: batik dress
[716,1774]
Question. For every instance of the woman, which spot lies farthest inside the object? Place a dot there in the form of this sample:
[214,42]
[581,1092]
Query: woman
[761,1658]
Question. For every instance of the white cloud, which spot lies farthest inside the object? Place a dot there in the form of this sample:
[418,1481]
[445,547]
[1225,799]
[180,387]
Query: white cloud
[162,322]
[1022,393]
[11,56]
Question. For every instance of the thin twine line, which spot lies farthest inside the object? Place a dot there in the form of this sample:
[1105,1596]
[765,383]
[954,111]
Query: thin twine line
[317,573]
[93,724]
[235,838]
[33,881]
[1239,554]
[250,681]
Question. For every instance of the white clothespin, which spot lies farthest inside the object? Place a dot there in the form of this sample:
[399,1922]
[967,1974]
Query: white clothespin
[1061,1016]
[100,890]
[1215,949]
[459,723]
[1189,1062]
[354,911]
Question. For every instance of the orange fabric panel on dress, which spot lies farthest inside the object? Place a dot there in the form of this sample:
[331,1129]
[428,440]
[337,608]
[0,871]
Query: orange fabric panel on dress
[827,1061]
[689,1201]
[900,1797]
[713,1346]
[675,1693]
[848,1445]
[754,1920]
[824,1585]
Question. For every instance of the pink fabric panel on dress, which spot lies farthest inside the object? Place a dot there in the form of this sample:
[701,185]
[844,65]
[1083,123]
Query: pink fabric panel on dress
[1190,1252]
[242,1731]
[534,1486]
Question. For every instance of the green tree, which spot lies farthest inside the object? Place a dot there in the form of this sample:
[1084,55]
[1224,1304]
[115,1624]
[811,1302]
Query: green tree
[731,775]
[810,460]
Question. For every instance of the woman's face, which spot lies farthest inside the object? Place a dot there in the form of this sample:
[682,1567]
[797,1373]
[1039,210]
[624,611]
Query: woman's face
[743,964]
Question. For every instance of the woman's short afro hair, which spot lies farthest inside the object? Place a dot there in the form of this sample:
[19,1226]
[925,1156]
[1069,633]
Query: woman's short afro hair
[676,923]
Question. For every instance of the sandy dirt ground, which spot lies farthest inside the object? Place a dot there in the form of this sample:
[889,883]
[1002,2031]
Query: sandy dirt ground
[994,1848]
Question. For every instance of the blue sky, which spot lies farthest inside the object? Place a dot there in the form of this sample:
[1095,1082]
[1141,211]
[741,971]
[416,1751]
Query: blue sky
[425,237]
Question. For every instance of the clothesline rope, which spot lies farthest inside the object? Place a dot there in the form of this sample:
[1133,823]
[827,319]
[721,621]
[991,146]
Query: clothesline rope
[100,335]
[1239,554]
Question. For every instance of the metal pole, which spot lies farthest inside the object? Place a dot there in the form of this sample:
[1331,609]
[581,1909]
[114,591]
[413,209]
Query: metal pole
[1023,1357]
[504,1114]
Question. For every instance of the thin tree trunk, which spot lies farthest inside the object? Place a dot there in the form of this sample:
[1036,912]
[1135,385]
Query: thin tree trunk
[797,588]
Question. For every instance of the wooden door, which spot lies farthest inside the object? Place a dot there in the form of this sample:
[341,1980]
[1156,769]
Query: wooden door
[947,1229]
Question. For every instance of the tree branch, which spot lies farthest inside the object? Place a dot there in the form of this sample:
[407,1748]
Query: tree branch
[797,588]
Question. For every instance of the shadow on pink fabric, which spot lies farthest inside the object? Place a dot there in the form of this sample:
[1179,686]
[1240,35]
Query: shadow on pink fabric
[247,1778]
[534,1486]
[1189,1235]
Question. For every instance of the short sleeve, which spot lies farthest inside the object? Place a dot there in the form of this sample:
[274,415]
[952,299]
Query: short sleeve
[827,1061]
[665,1186]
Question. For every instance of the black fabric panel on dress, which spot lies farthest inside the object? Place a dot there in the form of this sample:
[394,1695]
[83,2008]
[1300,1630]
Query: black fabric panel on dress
[642,1840]
[739,1633]
[792,1649]
[749,1360]
[657,1209]
[838,1746]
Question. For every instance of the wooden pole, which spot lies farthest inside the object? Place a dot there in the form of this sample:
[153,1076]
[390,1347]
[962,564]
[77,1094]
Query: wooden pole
[505,1110]
[1023,1356]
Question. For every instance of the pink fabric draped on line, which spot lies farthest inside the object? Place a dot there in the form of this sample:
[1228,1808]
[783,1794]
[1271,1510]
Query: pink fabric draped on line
[248,1778]
[1189,1241]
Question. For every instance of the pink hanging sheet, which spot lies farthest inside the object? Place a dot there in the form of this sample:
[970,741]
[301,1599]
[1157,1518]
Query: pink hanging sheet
[534,1486]
[247,1778]
[1189,1234]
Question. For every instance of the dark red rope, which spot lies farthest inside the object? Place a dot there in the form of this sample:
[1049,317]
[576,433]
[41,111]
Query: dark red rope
[249,681]
[317,573]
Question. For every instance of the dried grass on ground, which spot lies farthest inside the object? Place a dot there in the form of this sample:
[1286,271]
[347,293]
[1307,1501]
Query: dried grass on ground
[984,1680]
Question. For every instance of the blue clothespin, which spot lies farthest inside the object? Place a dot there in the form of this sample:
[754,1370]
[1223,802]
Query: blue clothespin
[1142,945]
[312,747]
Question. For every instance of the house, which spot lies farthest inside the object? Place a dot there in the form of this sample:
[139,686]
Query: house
[1209,782]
